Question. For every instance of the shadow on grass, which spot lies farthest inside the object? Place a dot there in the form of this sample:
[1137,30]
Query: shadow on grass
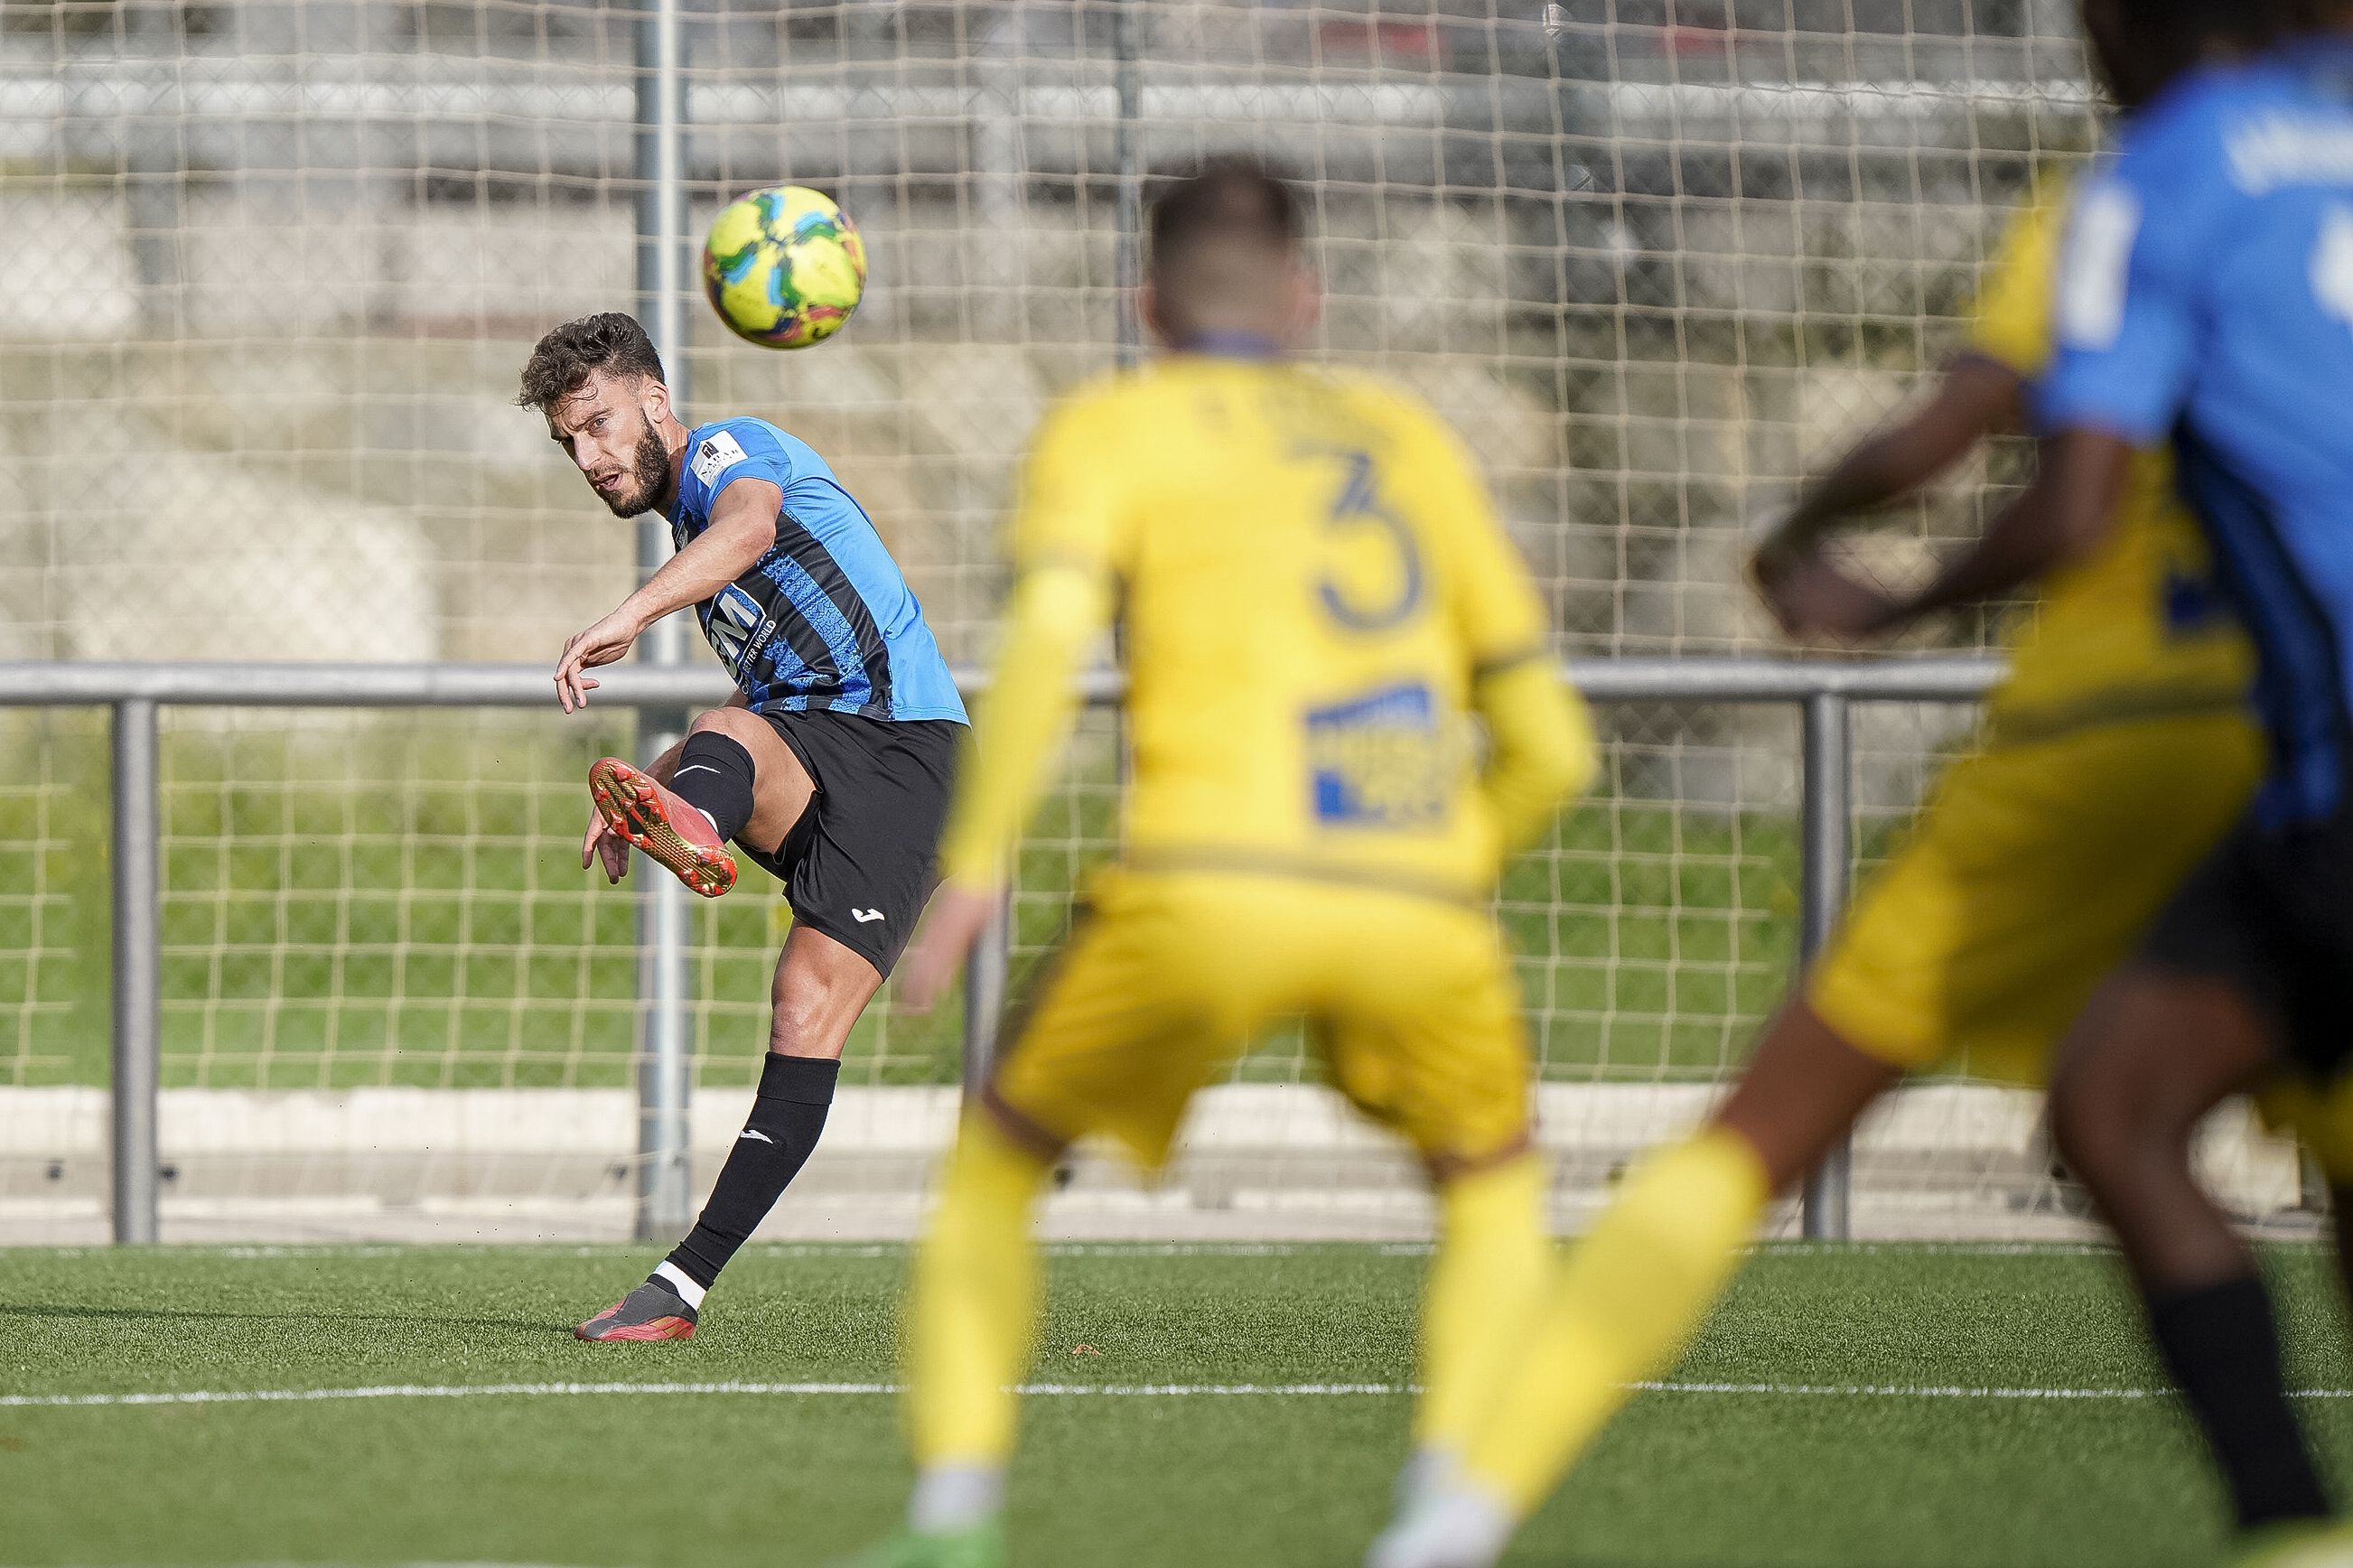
[175,1314]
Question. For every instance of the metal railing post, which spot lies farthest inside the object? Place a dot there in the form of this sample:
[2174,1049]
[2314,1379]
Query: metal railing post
[137,997]
[1827,840]
[984,996]
[665,1175]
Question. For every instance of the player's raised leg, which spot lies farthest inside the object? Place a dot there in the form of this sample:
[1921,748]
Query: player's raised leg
[732,777]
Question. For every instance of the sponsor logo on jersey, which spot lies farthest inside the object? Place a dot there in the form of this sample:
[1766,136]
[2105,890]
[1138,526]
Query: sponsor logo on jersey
[1380,760]
[719,449]
[733,624]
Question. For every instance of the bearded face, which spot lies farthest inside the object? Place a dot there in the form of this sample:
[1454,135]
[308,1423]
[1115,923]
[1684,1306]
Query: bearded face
[607,433]
[645,479]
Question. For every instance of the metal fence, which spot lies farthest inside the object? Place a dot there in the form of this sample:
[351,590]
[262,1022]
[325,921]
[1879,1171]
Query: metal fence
[1827,695]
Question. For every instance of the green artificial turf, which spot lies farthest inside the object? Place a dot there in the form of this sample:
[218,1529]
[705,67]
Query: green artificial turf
[1776,1479]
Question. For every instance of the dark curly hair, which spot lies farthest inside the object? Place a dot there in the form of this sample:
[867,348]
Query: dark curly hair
[2143,45]
[610,341]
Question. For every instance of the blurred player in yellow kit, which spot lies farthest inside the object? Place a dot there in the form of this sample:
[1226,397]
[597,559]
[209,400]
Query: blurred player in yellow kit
[1319,610]
[2114,758]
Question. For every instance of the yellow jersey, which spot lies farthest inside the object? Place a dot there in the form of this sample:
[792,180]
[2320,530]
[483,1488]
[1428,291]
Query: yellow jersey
[1308,579]
[2139,627]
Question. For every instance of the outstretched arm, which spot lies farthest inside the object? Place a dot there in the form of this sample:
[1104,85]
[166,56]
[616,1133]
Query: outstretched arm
[1976,397]
[2061,519]
[742,529]
[1983,391]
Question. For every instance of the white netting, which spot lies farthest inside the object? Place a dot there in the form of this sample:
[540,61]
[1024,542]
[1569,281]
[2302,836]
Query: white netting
[270,268]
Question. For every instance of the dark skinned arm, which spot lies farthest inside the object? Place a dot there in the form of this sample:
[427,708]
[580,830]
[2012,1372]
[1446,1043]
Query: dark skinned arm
[2061,520]
[1976,396]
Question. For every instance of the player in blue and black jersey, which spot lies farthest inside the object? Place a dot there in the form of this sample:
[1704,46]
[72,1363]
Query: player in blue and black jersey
[829,768]
[2207,293]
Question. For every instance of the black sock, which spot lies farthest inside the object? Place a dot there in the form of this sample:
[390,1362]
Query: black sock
[714,775]
[2222,1348]
[786,1119]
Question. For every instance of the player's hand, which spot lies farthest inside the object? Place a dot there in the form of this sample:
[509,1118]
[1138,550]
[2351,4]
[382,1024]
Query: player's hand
[1816,601]
[1772,545]
[607,642]
[604,844]
[959,914]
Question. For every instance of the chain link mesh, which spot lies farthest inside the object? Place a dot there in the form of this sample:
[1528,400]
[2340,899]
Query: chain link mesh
[272,268]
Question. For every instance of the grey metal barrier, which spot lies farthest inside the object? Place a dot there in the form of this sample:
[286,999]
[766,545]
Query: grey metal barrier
[1825,693]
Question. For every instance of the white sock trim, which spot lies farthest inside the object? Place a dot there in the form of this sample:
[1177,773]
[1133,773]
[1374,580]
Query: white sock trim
[678,1280]
[707,817]
[950,1498]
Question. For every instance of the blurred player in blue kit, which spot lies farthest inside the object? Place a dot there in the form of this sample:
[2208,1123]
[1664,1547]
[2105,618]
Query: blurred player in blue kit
[2205,297]
[2206,291]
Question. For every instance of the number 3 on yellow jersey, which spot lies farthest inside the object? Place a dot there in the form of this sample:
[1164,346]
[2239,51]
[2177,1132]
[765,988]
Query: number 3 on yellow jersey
[1360,589]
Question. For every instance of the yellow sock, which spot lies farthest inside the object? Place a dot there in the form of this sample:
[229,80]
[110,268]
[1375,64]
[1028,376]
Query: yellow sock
[1486,1282]
[1623,1305]
[974,1301]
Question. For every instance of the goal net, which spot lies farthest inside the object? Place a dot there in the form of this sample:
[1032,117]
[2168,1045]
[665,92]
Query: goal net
[271,269]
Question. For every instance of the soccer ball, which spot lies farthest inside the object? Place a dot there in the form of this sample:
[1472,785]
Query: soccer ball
[784,267]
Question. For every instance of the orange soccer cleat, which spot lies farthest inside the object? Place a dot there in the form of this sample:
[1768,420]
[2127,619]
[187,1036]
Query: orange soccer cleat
[651,1312]
[658,821]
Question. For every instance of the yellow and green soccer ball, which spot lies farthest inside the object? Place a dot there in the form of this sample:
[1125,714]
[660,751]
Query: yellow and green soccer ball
[784,267]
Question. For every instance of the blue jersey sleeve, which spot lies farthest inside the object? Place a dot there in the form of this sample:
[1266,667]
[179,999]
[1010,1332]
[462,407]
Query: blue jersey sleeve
[736,449]
[2127,310]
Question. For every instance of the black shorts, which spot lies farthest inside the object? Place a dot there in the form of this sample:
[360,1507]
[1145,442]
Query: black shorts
[860,863]
[2271,912]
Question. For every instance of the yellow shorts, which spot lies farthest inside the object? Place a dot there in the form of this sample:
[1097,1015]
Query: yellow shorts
[2034,871]
[1410,1002]
[2318,1116]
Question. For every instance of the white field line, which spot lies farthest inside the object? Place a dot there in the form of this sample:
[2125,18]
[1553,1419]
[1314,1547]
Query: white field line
[574,1390]
[1047,1391]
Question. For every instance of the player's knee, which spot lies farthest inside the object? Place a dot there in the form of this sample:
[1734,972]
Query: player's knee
[736,723]
[813,1019]
[799,1026]
[2106,1122]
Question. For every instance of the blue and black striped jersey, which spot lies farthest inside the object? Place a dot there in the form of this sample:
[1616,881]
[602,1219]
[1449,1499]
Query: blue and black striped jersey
[2206,294]
[824,620]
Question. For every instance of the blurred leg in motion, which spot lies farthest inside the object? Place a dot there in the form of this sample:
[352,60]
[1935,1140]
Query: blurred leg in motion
[1486,1279]
[1633,1292]
[970,1319]
[2154,1054]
